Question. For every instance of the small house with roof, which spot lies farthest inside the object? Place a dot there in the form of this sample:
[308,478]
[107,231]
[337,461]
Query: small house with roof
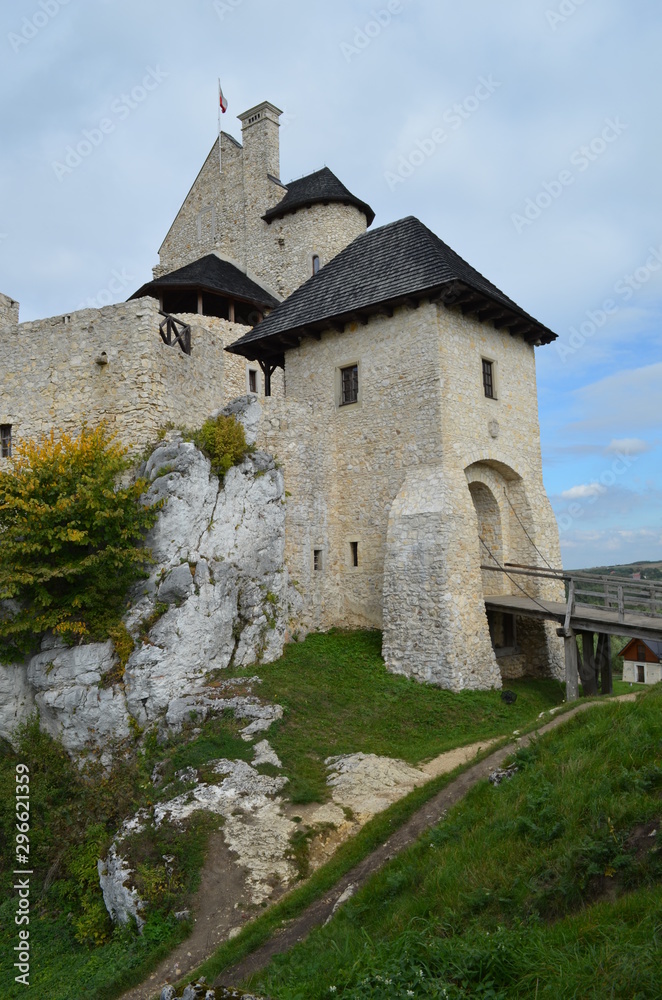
[397,387]
[642,661]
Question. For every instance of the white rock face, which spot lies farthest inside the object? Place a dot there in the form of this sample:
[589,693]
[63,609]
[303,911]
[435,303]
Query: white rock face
[16,698]
[218,567]
[121,901]
[367,783]
[71,704]
[255,829]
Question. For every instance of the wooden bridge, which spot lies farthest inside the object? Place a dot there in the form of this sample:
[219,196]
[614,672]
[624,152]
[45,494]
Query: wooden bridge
[606,605]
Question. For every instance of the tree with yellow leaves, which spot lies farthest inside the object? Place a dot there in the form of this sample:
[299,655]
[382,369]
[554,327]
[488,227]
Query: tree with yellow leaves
[70,539]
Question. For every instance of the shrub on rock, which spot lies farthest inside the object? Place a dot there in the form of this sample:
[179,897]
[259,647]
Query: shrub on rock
[69,539]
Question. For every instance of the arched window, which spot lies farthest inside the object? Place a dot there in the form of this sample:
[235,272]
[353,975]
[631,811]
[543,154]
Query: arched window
[316,263]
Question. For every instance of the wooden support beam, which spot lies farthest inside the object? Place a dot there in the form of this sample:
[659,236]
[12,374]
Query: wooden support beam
[231,313]
[604,663]
[587,671]
[571,672]
[200,303]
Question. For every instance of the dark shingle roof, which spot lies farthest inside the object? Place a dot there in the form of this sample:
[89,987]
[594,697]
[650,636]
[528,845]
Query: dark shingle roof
[322,186]
[390,265]
[210,274]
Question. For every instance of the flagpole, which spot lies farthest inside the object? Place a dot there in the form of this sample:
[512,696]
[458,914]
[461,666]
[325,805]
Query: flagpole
[220,168]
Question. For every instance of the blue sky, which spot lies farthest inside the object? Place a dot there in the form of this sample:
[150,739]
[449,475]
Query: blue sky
[526,134]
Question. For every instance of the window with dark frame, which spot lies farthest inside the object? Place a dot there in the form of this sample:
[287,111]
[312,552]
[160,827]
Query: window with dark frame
[5,440]
[641,651]
[354,552]
[316,264]
[252,380]
[349,385]
[317,559]
[488,378]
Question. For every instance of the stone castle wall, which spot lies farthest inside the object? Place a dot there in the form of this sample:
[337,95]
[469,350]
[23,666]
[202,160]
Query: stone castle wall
[51,378]
[393,473]
[8,313]
[223,212]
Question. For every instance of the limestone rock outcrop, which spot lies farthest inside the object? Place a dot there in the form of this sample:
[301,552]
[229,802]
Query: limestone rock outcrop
[217,594]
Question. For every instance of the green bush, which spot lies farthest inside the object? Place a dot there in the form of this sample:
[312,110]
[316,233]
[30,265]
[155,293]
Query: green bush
[223,440]
[70,539]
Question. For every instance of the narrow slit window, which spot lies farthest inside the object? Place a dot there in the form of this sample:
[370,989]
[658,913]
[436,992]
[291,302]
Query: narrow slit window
[317,560]
[316,263]
[252,380]
[488,378]
[349,385]
[5,440]
[354,553]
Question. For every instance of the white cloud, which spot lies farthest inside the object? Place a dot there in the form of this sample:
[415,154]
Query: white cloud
[583,491]
[627,446]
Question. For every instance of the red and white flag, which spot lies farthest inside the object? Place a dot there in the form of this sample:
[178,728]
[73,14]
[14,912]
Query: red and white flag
[221,100]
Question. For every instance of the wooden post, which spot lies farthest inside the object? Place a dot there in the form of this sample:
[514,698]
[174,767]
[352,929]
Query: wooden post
[200,303]
[231,311]
[604,663]
[571,673]
[587,669]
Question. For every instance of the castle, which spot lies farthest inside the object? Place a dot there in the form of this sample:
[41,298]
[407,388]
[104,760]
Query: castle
[397,388]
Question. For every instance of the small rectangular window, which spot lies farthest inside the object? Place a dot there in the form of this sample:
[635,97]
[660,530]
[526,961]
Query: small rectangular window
[252,380]
[5,440]
[641,651]
[317,559]
[349,385]
[488,378]
[354,553]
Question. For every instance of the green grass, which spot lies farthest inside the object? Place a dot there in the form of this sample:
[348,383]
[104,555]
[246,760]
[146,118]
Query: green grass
[535,888]
[339,698]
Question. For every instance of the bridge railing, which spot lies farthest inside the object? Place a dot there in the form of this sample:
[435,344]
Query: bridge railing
[612,593]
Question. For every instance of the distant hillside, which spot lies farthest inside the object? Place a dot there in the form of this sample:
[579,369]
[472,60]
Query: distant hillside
[649,570]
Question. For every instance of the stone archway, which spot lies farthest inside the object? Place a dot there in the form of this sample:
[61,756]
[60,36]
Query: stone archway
[490,536]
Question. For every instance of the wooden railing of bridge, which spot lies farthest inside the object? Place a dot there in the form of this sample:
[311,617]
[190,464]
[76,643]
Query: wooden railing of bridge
[595,603]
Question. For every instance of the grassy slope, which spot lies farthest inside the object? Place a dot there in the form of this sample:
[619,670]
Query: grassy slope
[535,888]
[338,698]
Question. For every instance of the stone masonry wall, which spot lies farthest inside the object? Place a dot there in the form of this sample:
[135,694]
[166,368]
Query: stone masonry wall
[392,473]
[223,212]
[50,377]
[8,313]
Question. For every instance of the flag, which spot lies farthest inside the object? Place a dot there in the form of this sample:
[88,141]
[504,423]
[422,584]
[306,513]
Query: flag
[221,100]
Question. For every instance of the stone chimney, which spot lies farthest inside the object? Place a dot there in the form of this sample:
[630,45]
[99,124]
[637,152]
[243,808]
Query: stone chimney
[259,133]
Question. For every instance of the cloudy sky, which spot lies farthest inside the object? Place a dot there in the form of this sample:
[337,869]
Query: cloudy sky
[526,134]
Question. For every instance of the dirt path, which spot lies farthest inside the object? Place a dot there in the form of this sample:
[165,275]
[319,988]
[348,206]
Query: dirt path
[429,814]
[221,904]
[218,907]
